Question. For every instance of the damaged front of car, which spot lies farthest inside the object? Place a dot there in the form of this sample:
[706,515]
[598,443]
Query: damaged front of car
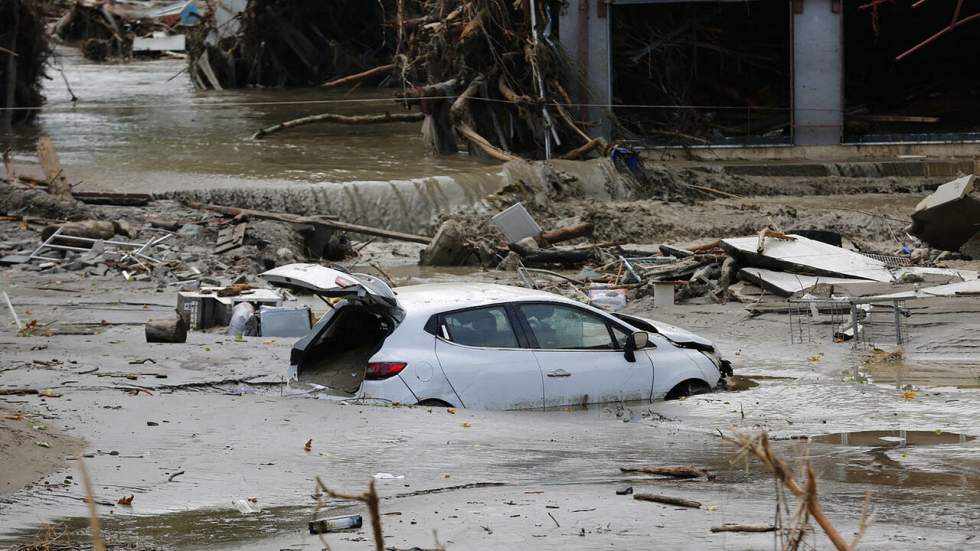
[684,339]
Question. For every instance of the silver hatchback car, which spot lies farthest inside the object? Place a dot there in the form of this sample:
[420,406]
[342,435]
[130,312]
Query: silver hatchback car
[488,346]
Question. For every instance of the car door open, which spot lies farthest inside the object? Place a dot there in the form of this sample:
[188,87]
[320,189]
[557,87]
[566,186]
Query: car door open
[582,356]
[484,361]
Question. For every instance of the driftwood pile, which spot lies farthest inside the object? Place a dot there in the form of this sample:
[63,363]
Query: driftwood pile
[23,52]
[484,75]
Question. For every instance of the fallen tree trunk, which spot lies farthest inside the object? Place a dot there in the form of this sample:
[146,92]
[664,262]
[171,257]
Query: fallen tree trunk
[294,219]
[668,500]
[551,256]
[583,150]
[339,119]
[359,76]
[459,115]
[568,233]
[90,229]
[98,197]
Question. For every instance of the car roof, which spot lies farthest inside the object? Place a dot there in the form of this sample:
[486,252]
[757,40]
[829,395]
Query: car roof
[432,298]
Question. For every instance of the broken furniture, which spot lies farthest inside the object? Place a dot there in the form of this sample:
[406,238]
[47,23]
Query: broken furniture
[207,308]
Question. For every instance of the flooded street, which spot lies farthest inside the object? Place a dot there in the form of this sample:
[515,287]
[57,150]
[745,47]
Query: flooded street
[206,444]
[143,124]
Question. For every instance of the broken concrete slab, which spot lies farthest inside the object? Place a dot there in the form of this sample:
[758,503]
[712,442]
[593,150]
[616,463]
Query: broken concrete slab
[787,284]
[963,288]
[949,217]
[806,256]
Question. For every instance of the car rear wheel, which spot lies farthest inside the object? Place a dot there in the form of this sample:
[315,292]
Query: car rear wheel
[690,387]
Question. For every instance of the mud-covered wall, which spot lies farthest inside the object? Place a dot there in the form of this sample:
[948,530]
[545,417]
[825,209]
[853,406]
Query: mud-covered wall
[412,205]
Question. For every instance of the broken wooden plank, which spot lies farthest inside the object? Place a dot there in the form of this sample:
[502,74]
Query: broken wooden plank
[57,183]
[230,238]
[668,500]
[319,221]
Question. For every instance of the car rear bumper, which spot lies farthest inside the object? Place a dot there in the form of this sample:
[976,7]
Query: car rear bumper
[392,390]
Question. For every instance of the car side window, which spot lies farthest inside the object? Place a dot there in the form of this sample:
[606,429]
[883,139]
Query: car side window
[566,328]
[484,327]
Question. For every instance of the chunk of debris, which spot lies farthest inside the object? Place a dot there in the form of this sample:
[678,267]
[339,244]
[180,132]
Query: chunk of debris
[948,218]
[172,330]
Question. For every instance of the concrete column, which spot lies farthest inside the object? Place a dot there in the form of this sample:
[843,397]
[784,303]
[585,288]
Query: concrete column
[589,60]
[818,73]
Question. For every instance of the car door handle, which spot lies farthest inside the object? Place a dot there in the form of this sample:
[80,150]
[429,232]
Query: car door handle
[559,373]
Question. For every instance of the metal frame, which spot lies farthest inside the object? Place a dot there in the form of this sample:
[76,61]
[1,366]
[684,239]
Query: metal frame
[135,255]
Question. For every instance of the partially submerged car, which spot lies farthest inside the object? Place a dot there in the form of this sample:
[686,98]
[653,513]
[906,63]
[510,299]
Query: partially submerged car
[488,346]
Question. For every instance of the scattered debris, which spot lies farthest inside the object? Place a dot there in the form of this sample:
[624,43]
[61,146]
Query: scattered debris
[948,219]
[167,330]
[750,528]
[335,524]
[668,500]
[680,471]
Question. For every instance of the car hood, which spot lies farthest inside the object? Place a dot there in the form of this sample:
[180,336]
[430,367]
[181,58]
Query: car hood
[672,333]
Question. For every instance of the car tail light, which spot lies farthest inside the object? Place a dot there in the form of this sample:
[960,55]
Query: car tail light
[383,370]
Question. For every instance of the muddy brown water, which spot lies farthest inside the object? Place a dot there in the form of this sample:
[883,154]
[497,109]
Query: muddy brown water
[145,122]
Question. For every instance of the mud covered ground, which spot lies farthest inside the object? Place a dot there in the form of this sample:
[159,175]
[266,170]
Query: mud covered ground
[189,428]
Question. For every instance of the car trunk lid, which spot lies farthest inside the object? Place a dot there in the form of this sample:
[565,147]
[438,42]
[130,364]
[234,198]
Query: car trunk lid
[331,283]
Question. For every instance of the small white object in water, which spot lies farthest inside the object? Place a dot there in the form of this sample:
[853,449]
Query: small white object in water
[246,507]
[388,476]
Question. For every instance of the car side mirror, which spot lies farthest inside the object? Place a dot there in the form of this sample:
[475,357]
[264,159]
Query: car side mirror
[636,341]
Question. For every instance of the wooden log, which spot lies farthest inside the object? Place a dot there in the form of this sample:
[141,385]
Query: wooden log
[339,119]
[752,528]
[668,500]
[582,150]
[483,144]
[92,229]
[96,197]
[8,167]
[568,233]
[377,71]
[678,471]
[552,256]
[57,183]
[458,113]
[172,330]
[294,219]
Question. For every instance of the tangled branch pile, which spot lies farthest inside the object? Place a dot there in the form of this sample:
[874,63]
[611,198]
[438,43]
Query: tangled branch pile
[23,51]
[485,73]
[497,61]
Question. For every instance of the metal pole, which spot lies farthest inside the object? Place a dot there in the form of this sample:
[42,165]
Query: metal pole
[898,324]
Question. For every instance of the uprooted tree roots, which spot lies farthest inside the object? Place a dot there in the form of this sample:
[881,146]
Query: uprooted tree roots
[23,51]
[485,73]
